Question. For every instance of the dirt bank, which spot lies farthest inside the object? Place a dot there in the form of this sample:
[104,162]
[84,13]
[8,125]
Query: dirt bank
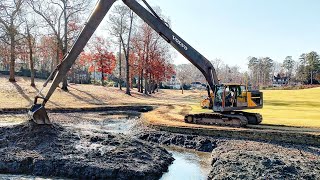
[199,143]
[81,145]
[242,159]
[66,152]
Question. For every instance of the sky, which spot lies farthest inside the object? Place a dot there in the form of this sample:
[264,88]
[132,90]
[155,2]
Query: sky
[233,30]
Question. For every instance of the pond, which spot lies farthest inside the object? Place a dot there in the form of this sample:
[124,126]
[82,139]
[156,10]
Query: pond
[188,164]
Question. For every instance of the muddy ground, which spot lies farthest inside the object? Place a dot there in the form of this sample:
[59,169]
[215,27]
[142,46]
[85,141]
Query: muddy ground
[63,151]
[94,145]
[243,159]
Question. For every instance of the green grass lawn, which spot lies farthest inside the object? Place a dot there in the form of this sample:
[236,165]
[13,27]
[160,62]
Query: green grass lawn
[281,107]
[287,107]
[292,107]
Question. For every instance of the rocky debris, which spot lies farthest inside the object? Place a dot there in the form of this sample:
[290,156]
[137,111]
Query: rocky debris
[239,159]
[64,152]
[200,143]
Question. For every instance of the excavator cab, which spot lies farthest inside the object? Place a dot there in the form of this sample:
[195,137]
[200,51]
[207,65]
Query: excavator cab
[230,97]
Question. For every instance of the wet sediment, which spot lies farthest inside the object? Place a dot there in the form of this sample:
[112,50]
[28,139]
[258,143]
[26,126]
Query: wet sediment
[244,159]
[63,152]
[80,146]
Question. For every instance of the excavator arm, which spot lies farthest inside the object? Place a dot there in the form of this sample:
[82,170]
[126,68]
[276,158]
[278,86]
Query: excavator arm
[38,112]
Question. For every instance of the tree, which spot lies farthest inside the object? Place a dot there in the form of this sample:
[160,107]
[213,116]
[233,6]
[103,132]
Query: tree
[119,20]
[217,64]
[10,22]
[309,65]
[5,56]
[127,53]
[260,70]
[183,74]
[288,64]
[101,59]
[57,14]
[313,64]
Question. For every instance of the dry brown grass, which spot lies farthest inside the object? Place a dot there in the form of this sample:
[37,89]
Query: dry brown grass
[21,95]
[172,105]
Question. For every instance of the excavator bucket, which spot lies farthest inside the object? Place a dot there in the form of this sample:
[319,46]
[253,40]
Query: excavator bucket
[39,114]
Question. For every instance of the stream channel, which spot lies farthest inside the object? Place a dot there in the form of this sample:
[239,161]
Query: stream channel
[188,164]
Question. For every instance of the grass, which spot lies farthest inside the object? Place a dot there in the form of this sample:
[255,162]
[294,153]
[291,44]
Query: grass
[292,107]
[288,107]
[281,107]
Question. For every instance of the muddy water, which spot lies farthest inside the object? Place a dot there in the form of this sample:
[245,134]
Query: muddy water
[188,164]
[23,177]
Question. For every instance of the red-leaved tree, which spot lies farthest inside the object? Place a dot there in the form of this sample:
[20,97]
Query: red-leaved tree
[100,58]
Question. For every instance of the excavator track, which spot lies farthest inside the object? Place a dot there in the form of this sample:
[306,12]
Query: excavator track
[253,118]
[233,119]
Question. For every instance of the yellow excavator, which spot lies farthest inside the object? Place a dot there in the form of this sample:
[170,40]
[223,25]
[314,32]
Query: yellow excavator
[225,99]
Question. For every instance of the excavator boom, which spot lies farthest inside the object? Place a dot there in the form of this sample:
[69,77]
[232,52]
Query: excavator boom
[38,112]
[226,114]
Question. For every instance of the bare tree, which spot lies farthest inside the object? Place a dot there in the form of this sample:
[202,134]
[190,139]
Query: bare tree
[9,25]
[127,55]
[183,74]
[119,20]
[57,14]
[31,43]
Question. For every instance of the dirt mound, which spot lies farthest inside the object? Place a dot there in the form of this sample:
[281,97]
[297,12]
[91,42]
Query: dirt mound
[64,152]
[200,143]
[238,159]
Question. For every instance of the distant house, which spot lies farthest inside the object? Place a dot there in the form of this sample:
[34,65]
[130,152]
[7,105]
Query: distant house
[280,80]
[197,85]
[173,83]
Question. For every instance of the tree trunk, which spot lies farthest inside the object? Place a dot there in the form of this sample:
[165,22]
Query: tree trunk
[30,57]
[146,83]
[141,81]
[182,88]
[119,80]
[150,84]
[65,50]
[94,75]
[138,84]
[102,74]
[127,56]
[12,59]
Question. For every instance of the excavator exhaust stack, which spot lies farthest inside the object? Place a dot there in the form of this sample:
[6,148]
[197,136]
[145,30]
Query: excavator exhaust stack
[38,114]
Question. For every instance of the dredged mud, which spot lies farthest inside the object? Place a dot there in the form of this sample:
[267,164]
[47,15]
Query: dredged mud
[63,152]
[80,145]
[199,143]
[239,159]
[243,159]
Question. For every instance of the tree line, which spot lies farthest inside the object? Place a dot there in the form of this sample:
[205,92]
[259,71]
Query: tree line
[305,70]
[261,71]
[39,33]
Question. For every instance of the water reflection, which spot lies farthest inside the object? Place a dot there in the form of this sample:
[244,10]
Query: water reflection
[23,177]
[188,165]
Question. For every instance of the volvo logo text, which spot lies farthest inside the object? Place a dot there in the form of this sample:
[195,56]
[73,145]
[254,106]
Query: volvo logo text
[179,42]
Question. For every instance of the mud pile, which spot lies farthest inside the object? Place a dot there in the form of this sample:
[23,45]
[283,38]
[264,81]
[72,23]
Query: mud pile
[238,159]
[64,152]
[199,143]
[243,159]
